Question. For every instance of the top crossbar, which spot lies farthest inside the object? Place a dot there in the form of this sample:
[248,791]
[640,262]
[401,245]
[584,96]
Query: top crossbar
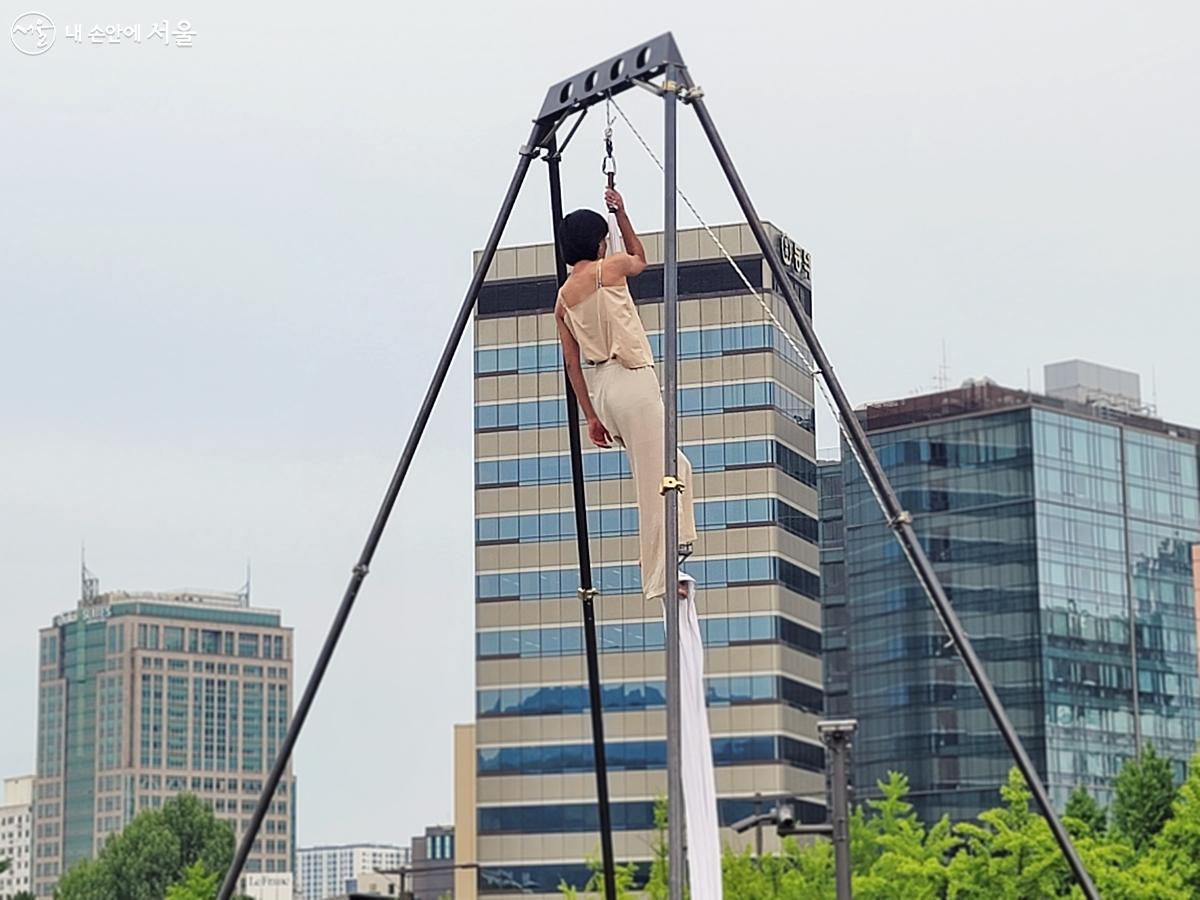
[610,77]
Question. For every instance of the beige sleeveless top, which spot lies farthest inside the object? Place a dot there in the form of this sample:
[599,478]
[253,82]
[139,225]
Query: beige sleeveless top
[607,326]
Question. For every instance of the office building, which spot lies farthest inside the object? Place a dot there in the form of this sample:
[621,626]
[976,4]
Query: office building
[1054,525]
[142,696]
[432,873]
[16,836]
[328,871]
[835,656]
[1196,580]
[746,423]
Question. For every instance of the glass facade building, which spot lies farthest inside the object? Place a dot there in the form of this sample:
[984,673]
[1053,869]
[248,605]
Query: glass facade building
[142,696]
[746,423]
[1065,537]
[834,618]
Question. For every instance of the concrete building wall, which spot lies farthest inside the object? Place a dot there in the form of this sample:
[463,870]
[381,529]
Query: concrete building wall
[465,844]
[433,863]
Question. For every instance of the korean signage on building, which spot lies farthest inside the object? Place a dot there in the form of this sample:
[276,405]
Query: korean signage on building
[795,257]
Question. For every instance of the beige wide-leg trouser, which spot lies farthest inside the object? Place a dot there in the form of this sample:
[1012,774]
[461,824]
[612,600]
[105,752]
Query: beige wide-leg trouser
[629,403]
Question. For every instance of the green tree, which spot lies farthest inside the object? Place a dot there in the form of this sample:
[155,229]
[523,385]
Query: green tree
[1083,807]
[892,853]
[1010,854]
[152,853]
[1143,795]
[1120,873]
[1179,841]
[198,884]
[23,895]
[795,873]
[656,883]
[625,876]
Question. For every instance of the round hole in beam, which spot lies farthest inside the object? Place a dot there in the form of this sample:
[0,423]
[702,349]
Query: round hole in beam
[643,57]
[567,90]
[617,70]
[590,81]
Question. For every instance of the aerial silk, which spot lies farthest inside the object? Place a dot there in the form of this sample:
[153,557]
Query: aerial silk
[699,780]
[616,243]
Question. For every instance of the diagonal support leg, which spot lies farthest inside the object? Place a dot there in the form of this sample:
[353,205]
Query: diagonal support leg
[899,521]
[536,138]
[586,591]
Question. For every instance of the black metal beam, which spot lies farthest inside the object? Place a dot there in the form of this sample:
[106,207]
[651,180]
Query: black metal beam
[587,592]
[537,138]
[898,519]
[610,77]
[670,369]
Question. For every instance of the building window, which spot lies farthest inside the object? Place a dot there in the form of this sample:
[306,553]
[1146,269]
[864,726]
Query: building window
[172,638]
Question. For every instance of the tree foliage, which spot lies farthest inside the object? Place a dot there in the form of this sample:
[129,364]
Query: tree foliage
[1143,796]
[1179,840]
[1092,818]
[155,851]
[198,884]
[1007,853]
[656,883]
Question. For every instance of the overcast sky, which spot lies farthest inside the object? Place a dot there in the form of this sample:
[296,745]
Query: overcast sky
[226,272]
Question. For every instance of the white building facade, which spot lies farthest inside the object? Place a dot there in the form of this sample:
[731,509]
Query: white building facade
[332,870]
[16,835]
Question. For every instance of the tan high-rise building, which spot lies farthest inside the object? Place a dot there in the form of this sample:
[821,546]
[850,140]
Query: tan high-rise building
[746,422]
[142,696]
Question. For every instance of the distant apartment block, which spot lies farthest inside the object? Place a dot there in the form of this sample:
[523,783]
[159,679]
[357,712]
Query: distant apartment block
[330,870]
[16,835]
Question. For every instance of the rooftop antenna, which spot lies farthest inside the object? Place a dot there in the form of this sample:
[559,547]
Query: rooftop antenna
[942,379]
[1154,388]
[244,593]
[89,584]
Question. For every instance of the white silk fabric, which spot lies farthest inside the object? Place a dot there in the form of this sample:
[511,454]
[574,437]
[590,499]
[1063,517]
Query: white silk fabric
[699,781]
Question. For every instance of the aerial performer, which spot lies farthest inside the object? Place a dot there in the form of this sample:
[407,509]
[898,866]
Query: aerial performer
[611,368]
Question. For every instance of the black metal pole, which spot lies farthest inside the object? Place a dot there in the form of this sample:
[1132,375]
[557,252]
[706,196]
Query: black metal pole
[838,737]
[361,568]
[758,843]
[675,798]
[898,519]
[587,592]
